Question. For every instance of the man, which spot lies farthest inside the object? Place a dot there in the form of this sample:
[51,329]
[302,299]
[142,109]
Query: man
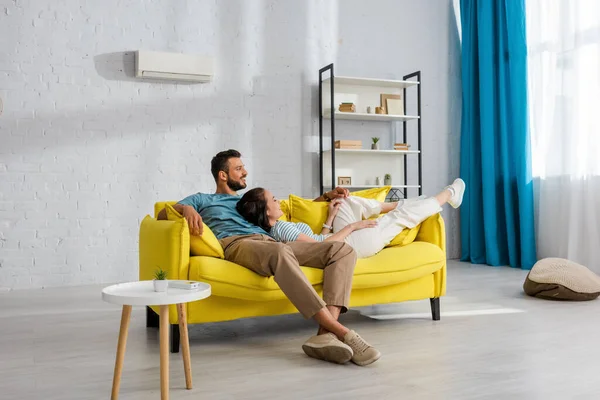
[251,247]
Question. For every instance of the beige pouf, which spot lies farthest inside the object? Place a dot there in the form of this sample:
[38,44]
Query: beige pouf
[560,279]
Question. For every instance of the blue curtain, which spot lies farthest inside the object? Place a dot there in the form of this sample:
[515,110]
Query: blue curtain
[497,221]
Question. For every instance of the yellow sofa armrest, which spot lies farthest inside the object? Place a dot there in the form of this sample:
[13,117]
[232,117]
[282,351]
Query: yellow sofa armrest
[433,231]
[164,244]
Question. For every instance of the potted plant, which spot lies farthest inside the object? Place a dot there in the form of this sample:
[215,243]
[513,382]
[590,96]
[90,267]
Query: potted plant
[387,180]
[375,145]
[160,280]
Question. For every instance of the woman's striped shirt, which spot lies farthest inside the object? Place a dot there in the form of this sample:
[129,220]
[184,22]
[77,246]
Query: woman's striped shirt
[289,231]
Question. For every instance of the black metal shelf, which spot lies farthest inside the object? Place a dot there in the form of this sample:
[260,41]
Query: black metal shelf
[407,81]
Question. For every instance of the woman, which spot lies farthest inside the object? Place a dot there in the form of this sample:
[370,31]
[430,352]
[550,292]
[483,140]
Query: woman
[346,220]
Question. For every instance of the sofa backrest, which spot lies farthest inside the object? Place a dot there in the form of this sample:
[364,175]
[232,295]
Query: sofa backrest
[160,205]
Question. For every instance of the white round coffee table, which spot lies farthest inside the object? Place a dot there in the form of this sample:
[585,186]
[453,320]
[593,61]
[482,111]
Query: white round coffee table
[142,294]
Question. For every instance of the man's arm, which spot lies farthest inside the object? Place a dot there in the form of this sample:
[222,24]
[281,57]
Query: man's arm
[190,214]
[337,193]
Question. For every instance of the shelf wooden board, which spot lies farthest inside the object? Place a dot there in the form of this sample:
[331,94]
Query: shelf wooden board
[391,83]
[374,152]
[369,117]
[377,186]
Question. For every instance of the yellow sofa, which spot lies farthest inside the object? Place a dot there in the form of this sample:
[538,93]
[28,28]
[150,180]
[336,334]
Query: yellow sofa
[415,271]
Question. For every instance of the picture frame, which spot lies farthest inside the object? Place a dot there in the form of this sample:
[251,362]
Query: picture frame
[384,98]
[344,180]
[395,107]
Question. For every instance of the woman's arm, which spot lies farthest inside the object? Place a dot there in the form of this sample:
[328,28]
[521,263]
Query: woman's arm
[348,229]
[332,210]
[305,238]
[342,234]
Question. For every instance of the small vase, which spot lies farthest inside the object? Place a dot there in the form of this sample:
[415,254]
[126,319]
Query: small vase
[161,286]
[387,181]
[378,181]
[374,146]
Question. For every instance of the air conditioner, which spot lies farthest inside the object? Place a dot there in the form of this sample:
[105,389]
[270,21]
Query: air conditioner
[173,66]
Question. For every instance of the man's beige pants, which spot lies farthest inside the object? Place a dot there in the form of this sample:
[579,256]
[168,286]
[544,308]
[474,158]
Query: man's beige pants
[266,257]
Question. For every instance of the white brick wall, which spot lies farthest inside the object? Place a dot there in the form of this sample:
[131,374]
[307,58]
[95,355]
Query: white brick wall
[86,149]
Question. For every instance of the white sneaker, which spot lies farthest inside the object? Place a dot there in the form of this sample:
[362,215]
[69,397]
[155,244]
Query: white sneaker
[458,190]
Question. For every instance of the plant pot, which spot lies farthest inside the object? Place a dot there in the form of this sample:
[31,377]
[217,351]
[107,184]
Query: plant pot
[374,146]
[161,286]
[387,181]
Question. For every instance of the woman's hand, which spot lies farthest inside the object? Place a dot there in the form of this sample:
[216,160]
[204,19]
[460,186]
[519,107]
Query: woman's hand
[333,208]
[367,223]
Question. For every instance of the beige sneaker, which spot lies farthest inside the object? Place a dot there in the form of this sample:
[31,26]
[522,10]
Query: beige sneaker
[364,353]
[327,347]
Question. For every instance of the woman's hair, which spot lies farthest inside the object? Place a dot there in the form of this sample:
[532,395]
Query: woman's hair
[253,207]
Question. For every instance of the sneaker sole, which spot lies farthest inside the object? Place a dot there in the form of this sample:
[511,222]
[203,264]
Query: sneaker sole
[368,361]
[334,354]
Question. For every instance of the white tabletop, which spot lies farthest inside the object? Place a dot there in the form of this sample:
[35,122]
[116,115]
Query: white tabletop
[142,294]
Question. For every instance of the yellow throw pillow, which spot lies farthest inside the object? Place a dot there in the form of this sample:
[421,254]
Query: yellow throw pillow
[407,236]
[285,207]
[378,194]
[314,213]
[205,245]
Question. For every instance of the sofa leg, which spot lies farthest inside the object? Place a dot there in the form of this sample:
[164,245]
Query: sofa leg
[435,308]
[174,334]
[151,318]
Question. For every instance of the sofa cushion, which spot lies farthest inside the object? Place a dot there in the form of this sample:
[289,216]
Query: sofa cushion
[215,270]
[205,245]
[394,265]
[391,266]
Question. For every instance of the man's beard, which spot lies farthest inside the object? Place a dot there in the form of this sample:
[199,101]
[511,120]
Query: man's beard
[235,186]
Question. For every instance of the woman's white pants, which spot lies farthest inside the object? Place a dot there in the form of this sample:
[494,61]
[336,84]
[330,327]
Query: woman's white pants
[370,241]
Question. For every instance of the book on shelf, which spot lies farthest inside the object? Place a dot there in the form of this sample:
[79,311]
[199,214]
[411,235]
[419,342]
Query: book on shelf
[401,146]
[347,107]
[348,144]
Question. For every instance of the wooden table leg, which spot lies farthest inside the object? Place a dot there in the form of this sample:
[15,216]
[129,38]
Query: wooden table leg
[125,316]
[185,344]
[164,352]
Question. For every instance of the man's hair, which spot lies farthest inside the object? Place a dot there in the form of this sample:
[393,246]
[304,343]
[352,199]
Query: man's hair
[253,207]
[220,162]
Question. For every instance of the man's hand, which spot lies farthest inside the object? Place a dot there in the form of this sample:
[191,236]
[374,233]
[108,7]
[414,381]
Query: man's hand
[338,193]
[193,219]
[367,223]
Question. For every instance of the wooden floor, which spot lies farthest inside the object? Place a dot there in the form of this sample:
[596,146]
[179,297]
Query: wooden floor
[60,344]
